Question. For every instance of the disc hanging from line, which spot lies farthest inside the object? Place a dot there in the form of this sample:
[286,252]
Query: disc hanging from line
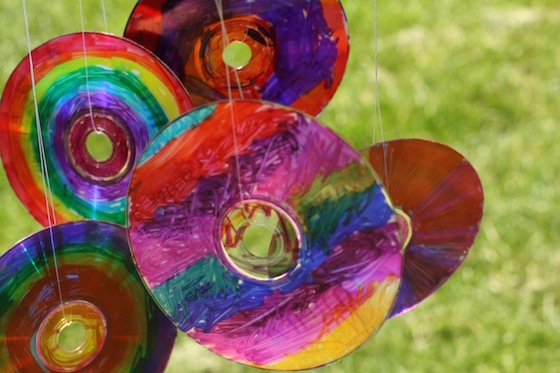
[100,99]
[439,197]
[71,301]
[264,235]
[290,52]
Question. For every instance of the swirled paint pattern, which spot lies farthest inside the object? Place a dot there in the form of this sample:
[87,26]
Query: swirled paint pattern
[298,48]
[245,153]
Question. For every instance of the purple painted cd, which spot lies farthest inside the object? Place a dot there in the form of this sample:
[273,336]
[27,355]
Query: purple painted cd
[291,52]
[264,235]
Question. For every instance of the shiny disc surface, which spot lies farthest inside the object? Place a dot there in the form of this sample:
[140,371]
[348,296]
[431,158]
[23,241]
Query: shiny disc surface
[441,200]
[72,301]
[264,236]
[292,52]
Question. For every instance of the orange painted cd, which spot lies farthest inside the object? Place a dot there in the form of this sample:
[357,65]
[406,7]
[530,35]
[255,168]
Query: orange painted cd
[440,198]
[289,52]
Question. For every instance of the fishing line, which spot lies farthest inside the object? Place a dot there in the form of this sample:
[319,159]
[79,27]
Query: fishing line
[225,38]
[86,68]
[377,110]
[103,9]
[49,203]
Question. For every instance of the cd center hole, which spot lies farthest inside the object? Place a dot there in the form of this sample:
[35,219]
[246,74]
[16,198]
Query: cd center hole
[99,146]
[72,336]
[237,54]
[260,240]
[255,239]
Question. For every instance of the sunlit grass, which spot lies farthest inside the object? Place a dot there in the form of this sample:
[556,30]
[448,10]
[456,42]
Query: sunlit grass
[482,77]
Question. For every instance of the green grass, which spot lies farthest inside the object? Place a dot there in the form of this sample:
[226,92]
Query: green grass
[484,79]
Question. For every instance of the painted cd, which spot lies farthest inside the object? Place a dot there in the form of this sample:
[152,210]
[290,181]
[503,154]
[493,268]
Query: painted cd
[100,99]
[264,235]
[439,197]
[289,52]
[72,301]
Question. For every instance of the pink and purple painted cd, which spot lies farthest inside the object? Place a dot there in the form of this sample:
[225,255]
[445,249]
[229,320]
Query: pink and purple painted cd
[439,198]
[71,300]
[290,52]
[264,235]
[100,99]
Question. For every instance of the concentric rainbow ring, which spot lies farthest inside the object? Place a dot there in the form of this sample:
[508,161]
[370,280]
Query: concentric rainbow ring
[85,83]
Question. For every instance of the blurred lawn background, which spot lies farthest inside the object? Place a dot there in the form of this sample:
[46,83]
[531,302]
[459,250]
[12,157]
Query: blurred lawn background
[482,77]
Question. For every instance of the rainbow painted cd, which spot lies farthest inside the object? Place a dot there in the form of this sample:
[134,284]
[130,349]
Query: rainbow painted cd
[439,198]
[290,52]
[71,301]
[264,235]
[99,100]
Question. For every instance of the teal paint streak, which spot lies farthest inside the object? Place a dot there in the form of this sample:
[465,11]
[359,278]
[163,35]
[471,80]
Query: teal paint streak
[205,282]
[180,125]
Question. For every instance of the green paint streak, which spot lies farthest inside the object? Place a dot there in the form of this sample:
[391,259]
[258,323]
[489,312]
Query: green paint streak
[205,282]
[323,221]
[354,178]
[124,85]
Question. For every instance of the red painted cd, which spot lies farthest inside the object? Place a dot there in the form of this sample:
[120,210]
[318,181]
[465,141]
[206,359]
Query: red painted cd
[440,198]
[71,300]
[289,52]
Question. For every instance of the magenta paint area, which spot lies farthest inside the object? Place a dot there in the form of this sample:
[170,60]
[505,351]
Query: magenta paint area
[223,169]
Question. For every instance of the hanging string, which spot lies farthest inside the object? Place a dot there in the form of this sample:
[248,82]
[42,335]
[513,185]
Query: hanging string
[86,68]
[377,113]
[225,37]
[220,10]
[104,16]
[49,202]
